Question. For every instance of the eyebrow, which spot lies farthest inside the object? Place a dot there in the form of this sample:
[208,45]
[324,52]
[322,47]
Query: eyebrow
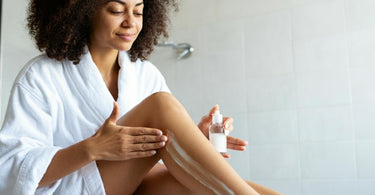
[123,3]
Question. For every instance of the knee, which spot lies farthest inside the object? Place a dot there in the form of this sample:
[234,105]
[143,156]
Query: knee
[164,100]
[163,104]
[161,95]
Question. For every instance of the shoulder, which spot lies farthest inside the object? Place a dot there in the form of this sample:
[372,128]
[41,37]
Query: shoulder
[38,68]
[38,74]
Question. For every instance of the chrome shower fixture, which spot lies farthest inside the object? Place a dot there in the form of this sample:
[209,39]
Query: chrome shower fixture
[184,50]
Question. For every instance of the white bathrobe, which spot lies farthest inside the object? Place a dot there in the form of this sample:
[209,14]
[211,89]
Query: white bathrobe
[56,104]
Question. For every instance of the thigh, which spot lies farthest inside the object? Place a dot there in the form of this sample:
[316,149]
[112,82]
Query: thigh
[160,182]
[124,177]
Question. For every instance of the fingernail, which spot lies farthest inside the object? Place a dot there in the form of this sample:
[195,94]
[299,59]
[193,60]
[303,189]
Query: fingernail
[153,152]
[161,143]
[164,138]
[159,133]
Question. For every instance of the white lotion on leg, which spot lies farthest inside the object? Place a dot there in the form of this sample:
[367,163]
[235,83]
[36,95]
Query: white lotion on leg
[192,167]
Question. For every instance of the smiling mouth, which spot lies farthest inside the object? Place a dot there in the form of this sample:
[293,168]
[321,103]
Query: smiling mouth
[126,36]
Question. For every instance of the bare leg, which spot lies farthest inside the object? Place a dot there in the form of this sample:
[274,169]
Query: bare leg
[163,111]
[159,182]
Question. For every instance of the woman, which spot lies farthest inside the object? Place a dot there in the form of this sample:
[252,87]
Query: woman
[63,132]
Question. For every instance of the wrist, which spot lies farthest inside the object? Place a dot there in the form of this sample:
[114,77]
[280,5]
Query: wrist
[88,148]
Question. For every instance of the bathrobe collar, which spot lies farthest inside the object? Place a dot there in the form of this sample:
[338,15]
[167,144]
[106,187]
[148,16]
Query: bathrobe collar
[91,87]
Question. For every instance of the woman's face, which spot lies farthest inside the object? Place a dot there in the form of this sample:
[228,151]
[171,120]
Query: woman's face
[117,24]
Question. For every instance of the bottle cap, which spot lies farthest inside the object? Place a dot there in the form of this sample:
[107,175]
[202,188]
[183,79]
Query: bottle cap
[217,117]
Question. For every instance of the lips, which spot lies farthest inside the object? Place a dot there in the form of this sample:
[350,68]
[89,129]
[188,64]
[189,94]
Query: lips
[126,36]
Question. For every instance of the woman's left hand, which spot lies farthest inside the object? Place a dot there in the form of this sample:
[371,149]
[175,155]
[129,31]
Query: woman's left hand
[232,142]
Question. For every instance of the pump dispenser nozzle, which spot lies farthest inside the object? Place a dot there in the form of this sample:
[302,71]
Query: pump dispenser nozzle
[217,117]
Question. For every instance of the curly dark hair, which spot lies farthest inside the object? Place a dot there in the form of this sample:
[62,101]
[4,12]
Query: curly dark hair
[62,28]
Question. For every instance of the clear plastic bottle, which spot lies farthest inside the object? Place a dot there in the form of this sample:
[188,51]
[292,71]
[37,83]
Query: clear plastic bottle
[217,135]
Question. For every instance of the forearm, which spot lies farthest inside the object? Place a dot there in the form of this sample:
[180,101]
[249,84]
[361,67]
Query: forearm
[67,161]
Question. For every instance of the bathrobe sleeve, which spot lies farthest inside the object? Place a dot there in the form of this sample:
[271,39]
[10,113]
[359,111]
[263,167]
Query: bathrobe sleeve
[26,143]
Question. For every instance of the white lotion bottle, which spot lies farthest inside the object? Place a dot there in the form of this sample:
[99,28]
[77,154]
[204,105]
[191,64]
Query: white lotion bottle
[217,135]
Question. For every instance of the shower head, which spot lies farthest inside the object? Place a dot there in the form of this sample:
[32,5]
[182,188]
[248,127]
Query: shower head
[184,50]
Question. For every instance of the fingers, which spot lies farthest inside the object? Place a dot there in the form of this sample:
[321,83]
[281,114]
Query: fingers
[236,141]
[212,111]
[228,123]
[236,147]
[141,154]
[115,113]
[146,146]
[207,118]
[142,131]
[149,139]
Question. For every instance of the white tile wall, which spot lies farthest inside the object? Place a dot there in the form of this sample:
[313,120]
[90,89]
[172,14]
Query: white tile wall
[297,76]
[329,187]
[366,187]
[360,14]
[320,19]
[326,124]
[360,48]
[364,124]
[228,36]
[366,160]
[269,44]
[252,7]
[271,93]
[328,160]
[324,88]
[362,80]
[321,54]
[338,187]
[273,127]
[281,160]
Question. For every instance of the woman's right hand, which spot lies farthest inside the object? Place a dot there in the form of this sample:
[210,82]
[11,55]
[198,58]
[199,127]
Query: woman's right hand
[114,142]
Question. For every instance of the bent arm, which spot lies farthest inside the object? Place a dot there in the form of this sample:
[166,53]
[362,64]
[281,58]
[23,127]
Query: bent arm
[67,161]
[110,142]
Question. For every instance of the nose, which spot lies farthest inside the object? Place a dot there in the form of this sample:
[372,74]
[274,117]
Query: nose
[129,20]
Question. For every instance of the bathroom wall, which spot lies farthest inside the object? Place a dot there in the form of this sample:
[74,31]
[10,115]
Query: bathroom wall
[1,4]
[296,75]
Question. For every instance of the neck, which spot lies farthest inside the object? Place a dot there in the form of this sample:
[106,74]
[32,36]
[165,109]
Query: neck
[105,59]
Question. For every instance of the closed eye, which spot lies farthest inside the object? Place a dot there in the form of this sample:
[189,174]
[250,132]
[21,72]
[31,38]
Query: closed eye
[116,12]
